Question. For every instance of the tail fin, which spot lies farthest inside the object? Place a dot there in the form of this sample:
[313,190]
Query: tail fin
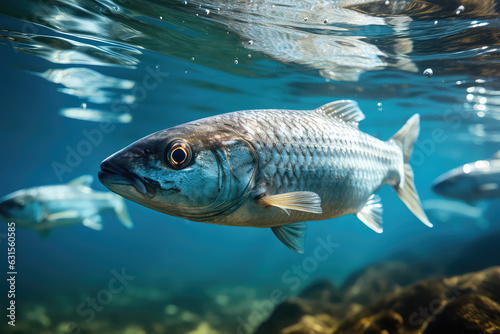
[406,138]
[122,213]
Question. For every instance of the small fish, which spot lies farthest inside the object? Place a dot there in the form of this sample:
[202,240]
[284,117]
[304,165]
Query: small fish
[45,207]
[471,182]
[268,168]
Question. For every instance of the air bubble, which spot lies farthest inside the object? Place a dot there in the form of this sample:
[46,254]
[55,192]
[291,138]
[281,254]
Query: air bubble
[161,17]
[185,2]
[460,9]
[207,11]
[83,106]
[379,106]
[192,58]
[236,61]
[428,73]
[387,2]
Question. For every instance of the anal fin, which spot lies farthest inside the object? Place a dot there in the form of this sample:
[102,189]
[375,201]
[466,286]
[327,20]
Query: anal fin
[94,222]
[306,201]
[371,213]
[292,235]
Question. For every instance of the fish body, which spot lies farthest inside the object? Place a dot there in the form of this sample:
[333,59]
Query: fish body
[45,207]
[268,168]
[471,182]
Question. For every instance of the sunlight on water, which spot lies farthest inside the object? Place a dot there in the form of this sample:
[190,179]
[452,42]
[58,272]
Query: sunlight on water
[85,79]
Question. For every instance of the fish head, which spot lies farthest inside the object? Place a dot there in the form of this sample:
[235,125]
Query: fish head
[21,207]
[455,184]
[197,171]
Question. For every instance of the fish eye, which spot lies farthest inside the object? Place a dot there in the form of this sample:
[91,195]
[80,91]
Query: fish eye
[178,154]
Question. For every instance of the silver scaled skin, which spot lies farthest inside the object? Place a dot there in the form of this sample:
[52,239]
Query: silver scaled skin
[268,168]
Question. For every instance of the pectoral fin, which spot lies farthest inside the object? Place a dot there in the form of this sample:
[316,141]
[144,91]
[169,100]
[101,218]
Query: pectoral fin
[371,213]
[306,201]
[94,222]
[68,214]
[292,235]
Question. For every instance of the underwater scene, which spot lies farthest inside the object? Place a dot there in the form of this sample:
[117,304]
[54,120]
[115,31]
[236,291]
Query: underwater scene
[250,166]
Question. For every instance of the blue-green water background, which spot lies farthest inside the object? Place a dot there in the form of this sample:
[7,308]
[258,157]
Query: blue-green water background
[165,253]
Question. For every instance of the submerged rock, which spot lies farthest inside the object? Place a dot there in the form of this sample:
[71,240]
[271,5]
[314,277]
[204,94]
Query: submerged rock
[468,314]
[460,304]
[322,290]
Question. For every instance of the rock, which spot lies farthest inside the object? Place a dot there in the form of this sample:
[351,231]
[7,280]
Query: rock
[370,284]
[460,304]
[300,315]
[323,290]
[468,314]
[433,305]
[319,324]
[203,328]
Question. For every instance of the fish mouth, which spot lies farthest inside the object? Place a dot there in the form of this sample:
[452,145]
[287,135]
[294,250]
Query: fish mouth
[113,174]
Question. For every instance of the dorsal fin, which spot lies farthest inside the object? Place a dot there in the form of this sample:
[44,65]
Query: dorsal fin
[84,180]
[343,110]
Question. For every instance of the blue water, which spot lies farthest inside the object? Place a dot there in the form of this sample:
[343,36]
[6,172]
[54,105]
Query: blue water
[193,54]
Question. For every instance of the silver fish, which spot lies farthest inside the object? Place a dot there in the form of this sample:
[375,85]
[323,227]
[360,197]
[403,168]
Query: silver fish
[268,168]
[471,182]
[45,207]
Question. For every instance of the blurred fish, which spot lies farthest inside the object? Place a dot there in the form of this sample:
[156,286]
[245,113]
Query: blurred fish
[95,115]
[471,182]
[45,207]
[268,168]
[456,213]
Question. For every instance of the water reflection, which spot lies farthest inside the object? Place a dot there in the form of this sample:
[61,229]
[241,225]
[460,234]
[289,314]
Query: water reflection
[89,84]
[342,43]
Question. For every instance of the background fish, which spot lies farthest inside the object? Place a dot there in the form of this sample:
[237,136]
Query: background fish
[45,207]
[456,213]
[268,168]
[471,182]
